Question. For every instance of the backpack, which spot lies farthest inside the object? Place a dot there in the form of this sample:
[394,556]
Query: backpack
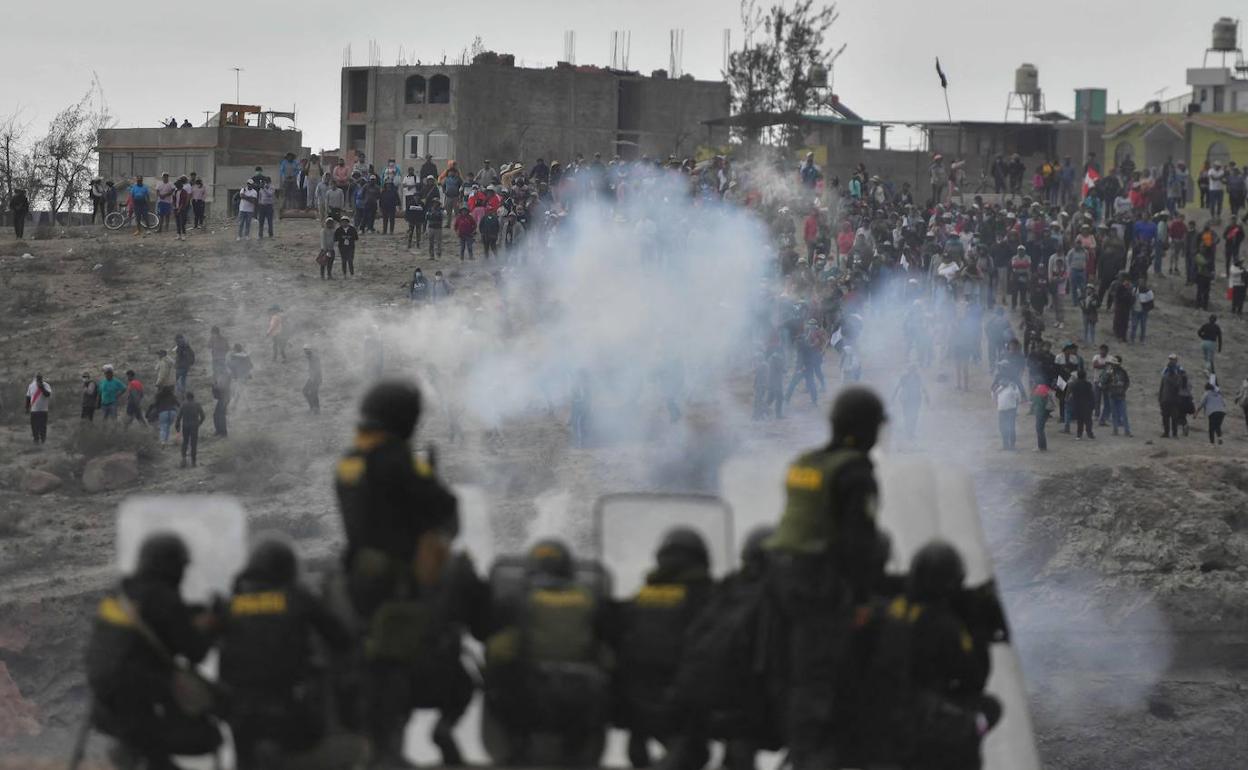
[723,670]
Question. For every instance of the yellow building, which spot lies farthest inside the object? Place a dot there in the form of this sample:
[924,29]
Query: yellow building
[1150,139]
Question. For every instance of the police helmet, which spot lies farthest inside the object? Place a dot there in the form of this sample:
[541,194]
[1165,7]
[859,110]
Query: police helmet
[858,412]
[551,557]
[392,407]
[753,555]
[685,545]
[163,555]
[936,571]
[273,560]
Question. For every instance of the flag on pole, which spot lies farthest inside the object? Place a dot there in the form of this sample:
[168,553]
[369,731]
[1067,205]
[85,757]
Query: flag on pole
[1089,180]
[944,81]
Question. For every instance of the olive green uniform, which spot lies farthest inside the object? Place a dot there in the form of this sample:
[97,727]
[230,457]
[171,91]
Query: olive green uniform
[824,560]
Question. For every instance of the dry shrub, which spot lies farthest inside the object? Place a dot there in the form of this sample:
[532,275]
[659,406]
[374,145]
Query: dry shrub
[92,439]
[253,456]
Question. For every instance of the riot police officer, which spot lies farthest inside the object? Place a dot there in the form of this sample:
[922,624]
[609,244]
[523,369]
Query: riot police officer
[723,683]
[268,659]
[652,629]
[545,667]
[399,521]
[824,560]
[949,667]
[139,631]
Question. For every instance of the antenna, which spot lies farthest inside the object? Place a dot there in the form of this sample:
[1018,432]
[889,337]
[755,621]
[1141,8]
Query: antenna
[832,68]
[727,48]
[569,46]
[346,56]
[237,70]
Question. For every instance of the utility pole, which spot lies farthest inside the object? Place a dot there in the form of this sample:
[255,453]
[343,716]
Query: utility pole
[237,70]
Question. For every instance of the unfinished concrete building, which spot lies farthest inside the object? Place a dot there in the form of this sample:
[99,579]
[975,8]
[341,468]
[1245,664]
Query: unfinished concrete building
[492,109]
[224,152]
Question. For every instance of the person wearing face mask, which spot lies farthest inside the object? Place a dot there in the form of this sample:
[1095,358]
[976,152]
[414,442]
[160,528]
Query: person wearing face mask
[441,288]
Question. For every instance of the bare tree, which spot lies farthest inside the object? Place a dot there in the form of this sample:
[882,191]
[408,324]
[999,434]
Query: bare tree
[13,153]
[65,158]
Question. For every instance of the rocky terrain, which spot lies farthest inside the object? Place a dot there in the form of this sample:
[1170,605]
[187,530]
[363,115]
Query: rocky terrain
[1123,561]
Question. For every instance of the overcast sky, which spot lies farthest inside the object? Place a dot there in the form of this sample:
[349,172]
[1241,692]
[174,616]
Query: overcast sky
[159,60]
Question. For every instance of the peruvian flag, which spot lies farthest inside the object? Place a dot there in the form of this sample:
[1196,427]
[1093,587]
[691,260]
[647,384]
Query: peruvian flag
[1089,180]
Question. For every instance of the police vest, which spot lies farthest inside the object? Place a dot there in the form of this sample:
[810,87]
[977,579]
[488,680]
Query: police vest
[657,619]
[808,524]
[264,644]
[559,627]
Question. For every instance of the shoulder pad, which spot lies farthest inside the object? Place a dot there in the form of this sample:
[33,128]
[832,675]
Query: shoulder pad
[113,613]
[350,470]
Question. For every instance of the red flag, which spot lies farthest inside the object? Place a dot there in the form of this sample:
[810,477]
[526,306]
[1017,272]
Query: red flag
[1089,180]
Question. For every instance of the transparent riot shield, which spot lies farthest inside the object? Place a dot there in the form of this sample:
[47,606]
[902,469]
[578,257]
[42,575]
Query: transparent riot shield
[213,526]
[921,500]
[476,533]
[629,527]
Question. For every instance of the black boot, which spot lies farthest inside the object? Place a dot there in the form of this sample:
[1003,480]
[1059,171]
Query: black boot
[444,739]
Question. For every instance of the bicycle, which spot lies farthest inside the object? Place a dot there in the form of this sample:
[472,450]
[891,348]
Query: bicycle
[116,220]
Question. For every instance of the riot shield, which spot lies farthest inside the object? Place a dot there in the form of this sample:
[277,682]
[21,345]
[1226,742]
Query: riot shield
[921,500]
[629,527]
[476,534]
[213,526]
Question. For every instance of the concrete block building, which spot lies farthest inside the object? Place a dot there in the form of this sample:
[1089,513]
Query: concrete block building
[224,152]
[492,109]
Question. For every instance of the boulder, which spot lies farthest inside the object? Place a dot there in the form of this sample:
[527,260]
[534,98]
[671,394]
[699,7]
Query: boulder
[110,472]
[37,482]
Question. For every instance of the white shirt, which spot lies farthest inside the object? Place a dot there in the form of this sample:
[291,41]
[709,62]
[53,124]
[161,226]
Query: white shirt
[247,201]
[410,185]
[1008,397]
[38,401]
[1215,179]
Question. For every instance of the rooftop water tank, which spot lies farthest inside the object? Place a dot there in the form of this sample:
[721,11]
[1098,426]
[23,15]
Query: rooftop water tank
[1027,80]
[1225,34]
[819,76]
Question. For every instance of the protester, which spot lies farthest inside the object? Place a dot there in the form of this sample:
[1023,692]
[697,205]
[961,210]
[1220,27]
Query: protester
[190,417]
[134,399]
[345,238]
[38,400]
[1214,407]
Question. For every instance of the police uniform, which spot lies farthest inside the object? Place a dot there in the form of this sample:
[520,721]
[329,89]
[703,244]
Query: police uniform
[267,660]
[131,678]
[824,559]
[723,686]
[653,627]
[399,520]
[546,668]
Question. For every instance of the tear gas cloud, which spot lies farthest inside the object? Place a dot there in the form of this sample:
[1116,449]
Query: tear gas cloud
[651,299]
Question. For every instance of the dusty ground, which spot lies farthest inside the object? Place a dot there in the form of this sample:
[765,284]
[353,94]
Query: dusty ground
[1123,560]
